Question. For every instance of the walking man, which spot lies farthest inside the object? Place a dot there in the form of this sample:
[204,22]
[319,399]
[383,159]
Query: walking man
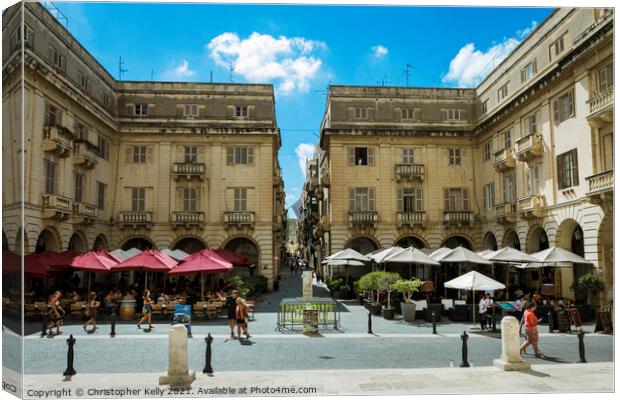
[231,309]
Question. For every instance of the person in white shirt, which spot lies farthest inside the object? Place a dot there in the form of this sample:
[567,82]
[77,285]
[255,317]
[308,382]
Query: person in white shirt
[482,309]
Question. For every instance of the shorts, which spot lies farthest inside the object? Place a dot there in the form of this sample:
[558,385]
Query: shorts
[148,309]
[532,335]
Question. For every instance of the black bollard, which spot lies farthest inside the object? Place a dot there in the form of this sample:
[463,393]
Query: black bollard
[70,371]
[464,337]
[208,368]
[434,317]
[582,347]
[44,324]
[113,324]
[369,322]
[550,322]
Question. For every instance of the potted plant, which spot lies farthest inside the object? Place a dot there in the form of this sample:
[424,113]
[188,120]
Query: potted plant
[333,284]
[385,283]
[369,284]
[407,287]
[586,286]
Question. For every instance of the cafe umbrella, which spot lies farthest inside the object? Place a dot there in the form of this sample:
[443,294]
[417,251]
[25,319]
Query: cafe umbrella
[348,258]
[147,261]
[474,281]
[94,261]
[509,256]
[410,255]
[204,263]
[459,255]
[556,257]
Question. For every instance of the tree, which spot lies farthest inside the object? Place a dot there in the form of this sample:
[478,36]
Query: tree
[407,287]
[385,282]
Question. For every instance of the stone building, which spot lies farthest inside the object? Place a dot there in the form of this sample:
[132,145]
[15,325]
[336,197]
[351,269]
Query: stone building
[120,164]
[524,159]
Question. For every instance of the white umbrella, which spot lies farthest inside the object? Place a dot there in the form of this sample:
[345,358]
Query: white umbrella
[438,254]
[133,252]
[462,255]
[474,281]
[483,253]
[380,255]
[410,255]
[176,254]
[556,257]
[120,254]
[347,257]
[509,255]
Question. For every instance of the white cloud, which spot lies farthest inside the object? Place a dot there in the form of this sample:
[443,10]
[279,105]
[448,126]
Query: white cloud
[304,151]
[379,51]
[182,71]
[288,62]
[471,65]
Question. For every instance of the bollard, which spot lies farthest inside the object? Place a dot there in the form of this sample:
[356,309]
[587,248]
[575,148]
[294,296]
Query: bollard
[434,318]
[113,323]
[44,324]
[70,371]
[369,322]
[464,337]
[550,322]
[208,368]
[582,347]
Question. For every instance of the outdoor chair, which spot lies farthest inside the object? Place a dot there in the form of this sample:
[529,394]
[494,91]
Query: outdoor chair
[41,306]
[31,311]
[77,309]
[200,309]
[211,310]
[156,309]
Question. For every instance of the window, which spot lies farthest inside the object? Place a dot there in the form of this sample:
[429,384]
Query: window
[241,111]
[486,151]
[568,170]
[502,92]
[101,195]
[17,35]
[106,100]
[564,107]
[85,83]
[507,139]
[190,110]
[191,154]
[58,60]
[189,199]
[408,114]
[484,107]
[489,196]
[452,114]
[104,147]
[409,199]
[141,109]
[360,113]
[407,156]
[240,155]
[605,78]
[510,190]
[138,199]
[79,186]
[532,179]
[529,124]
[79,130]
[139,154]
[454,156]
[241,199]
[556,47]
[362,199]
[456,199]
[50,177]
[528,71]
[53,116]
[361,155]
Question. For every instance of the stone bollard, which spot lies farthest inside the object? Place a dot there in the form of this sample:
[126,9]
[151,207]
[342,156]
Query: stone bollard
[434,318]
[70,371]
[208,368]
[113,324]
[370,323]
[178,375]
[511,356]
[464,352]
[582,347]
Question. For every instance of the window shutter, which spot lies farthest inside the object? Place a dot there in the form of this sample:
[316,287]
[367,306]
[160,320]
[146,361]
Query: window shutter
[371,156]
[446,199]
[250,155]
[399,200]
[178,197]
[351,155]
[129,155]
[129,109]
[556,111]
[371,199]
[351,199]
[230,157]
[149,154]
[560,167]
[465,199]
[485,197]
[418,199]
[528,180]
[180,110]
[575,167]
[535,68]
[523,74]
[571,104]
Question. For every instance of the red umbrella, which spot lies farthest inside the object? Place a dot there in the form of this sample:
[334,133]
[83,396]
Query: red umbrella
[38,265]
[233,258]
[148,260]
[203,262]
[11,263]
[94,261]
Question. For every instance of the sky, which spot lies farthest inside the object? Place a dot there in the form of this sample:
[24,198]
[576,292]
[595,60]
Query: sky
[301,50]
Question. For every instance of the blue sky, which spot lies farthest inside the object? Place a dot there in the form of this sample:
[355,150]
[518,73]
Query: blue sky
[300,49]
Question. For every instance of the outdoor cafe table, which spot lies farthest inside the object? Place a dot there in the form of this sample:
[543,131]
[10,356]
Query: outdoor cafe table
[291,312]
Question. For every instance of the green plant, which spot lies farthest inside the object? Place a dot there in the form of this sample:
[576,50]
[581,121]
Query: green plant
[369,283]
[236,283]
[385,282]
[255,285]
[586,284]
[333,283]
[407,287]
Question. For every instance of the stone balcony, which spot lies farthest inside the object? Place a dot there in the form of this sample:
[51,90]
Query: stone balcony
[84,155]
[532,206]
[188,170]
[411,218]
[187,219]
[325,181]
[277,177]
[363,218]
[601,108]
[600,187]
[56,207]
[529,147]
[457,217]
[57,139]
[409,172]
[313,181]
[504,160]
[239,218]
[506,213]
[325,225]
[135,219]
[84,213]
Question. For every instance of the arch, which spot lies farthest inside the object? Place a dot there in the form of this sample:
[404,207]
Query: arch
[5,242]
[20,239]
[189,244]
[77,242]
[362,244]
[245,246]
[564,235]
[605,243]
[490,242]
[139,242]
[411,240]
[455,241]
[49,239]
[511,239]
[536,240]
[101,242]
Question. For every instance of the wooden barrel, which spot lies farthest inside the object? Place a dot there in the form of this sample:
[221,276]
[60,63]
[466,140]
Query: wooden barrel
[127,309]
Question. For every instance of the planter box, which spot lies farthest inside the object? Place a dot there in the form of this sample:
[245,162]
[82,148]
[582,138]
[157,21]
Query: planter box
[388,313]
[408,311]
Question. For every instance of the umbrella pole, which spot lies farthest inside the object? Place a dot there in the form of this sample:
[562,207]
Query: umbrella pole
[89,279]
[146,279]
[473,306]
[202,287]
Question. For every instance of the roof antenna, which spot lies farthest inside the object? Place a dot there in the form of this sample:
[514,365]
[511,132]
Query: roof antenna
[230,73]
[121,70]
[408,73]
[211,76]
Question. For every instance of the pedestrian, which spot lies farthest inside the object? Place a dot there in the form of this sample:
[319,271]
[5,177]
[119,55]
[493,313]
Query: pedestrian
[91,311]
[241,315]
[147,309]
[56,312]
[490,309]
[520,306]
[231,308]
[482,309]
[531,329]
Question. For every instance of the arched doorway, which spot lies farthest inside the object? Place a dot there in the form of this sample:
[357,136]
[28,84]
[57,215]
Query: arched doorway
[409,241]
[101,243]
[47,240]
[511,239]
[139,243]
[77,243]
[490,243]
[457,240]
[247,248]
[189,245]
[362,244]
[570,237]
[537,240]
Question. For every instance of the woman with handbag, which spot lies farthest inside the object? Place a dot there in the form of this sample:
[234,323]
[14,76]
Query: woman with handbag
[147,309]
[91,311]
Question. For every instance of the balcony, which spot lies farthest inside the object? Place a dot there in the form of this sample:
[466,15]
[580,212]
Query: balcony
[408,172]
[277,178]
[601,187]
[313,181]
[188,170]
[187,219]
[601,108]
[325,225]
[457,217]
[135,219]
[529,147]
[325,177]
[531,206]
[411,218]
[504,160]
[57,139]
[506,213]
[84,213]
[84,155]
[56,207]
[363,218]
[239,218]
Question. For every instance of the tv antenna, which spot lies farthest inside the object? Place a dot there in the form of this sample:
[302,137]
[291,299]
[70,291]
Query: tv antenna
[230,72]
[407,72]
[121,70]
